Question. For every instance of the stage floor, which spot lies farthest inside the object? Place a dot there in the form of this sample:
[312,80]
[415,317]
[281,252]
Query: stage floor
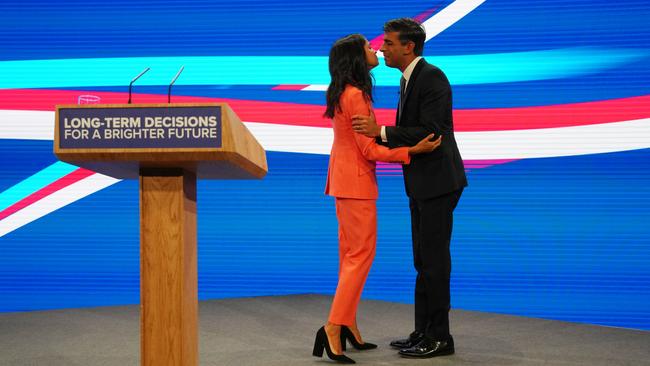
[280,330]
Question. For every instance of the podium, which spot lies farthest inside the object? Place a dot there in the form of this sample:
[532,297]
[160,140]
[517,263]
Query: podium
[167,147]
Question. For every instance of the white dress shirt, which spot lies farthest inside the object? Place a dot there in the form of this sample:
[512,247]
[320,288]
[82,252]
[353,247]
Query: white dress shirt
[406,75]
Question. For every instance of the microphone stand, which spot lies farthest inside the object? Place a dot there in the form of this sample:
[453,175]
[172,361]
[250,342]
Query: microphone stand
[134,79]
[169,89]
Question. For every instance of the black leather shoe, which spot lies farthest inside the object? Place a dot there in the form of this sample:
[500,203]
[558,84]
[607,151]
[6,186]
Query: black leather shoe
[413,339]
[428,348]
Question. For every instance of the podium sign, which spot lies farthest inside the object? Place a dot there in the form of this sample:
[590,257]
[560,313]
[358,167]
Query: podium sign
[140,127]
[118,140]
[166,147]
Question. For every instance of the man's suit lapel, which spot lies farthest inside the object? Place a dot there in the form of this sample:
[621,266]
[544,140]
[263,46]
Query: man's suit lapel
[413,80]
[409,87]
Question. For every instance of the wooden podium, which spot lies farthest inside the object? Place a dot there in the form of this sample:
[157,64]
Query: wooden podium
[167,146]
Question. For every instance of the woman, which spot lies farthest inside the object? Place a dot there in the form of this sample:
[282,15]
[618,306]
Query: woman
[351,180]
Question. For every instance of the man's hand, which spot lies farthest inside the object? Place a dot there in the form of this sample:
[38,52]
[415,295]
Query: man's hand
[366,125]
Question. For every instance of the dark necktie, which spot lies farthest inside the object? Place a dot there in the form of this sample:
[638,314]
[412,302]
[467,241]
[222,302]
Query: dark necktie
[402,84]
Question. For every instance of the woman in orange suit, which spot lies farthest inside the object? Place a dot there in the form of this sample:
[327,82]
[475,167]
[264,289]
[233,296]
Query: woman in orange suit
[351,180]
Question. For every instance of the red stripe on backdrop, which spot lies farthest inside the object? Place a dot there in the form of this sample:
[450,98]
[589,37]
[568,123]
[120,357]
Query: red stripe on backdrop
[61,183]
[289,87]
[496,119]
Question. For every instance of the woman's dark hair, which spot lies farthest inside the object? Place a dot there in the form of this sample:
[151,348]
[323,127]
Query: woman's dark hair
[347,65]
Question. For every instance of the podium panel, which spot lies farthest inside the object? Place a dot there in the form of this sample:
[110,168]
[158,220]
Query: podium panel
[168,272]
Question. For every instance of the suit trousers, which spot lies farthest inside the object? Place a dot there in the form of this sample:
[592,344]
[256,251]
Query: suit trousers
[431,226]
[357,243]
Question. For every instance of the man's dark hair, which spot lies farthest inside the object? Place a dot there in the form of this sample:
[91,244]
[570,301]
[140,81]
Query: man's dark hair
[409,31]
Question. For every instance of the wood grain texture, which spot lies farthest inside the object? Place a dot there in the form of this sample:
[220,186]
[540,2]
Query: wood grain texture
[168,268]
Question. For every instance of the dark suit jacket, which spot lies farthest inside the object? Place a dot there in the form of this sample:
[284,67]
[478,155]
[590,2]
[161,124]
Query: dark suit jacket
[427,109]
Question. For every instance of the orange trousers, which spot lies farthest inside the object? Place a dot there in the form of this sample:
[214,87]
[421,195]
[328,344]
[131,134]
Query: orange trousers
[357,242]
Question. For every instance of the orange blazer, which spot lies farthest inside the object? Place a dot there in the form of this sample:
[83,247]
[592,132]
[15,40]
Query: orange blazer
[351,171]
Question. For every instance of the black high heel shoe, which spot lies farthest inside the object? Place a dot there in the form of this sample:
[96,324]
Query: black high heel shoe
[322,342]
[346,333]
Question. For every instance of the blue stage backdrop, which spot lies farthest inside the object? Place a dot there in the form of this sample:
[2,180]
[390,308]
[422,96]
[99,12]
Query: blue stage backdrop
[552,116]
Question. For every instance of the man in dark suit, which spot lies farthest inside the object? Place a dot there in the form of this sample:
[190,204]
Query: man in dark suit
[434,182]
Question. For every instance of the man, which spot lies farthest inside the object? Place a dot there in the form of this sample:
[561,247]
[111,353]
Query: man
[434,182]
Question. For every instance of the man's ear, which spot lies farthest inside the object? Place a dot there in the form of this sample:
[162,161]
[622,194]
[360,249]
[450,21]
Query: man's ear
[409,47]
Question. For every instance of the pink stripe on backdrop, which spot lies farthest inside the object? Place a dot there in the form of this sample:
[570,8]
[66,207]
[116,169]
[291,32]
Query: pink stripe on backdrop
[61,183]
[488,162]
[289,87]
[479,164]
[391,169]
[497,119]
[377,41]
[425,15]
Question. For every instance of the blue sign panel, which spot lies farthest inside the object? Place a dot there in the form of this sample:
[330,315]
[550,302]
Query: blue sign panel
[146,127]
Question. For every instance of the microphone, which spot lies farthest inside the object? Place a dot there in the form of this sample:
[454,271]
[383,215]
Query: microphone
[169,90]
[134,79]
